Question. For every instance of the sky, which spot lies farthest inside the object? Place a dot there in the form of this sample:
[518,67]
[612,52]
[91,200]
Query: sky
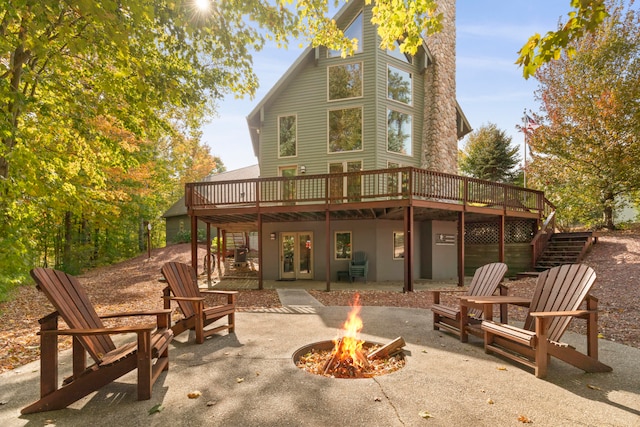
[490,87]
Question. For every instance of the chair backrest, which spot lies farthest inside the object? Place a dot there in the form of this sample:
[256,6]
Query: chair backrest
[72,303]
[487,278]
[359,258]
[183,281]
[561,288]
[485,282]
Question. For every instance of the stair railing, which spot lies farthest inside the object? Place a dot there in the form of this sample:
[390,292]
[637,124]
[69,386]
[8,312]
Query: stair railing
[542,237]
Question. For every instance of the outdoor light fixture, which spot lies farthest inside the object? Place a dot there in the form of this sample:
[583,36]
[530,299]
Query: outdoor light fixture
[303,169]
[272,236]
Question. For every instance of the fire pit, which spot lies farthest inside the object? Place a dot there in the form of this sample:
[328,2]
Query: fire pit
[348,356]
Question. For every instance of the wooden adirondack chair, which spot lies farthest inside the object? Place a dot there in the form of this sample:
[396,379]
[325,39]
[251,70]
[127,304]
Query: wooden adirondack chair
[183,284]
[90,336]
[486,280]
[557,298]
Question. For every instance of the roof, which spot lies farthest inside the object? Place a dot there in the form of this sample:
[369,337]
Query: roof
[249,172]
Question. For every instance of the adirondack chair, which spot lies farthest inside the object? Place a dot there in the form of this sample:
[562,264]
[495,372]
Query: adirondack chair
[91,336]
[359,266]
[486,280]
[183,284]
[557,298]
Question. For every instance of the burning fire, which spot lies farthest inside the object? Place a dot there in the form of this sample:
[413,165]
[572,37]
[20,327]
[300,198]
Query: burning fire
[347,352]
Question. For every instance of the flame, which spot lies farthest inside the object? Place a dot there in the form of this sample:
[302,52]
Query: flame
[349,348]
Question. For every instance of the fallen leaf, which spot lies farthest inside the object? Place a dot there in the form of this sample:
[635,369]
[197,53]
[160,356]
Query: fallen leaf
[490,401]
[211,403]
[425,414]
[600,336]
[593,387]
[501,368]
[194,394]
[156,408]
[377,399]
[239,380]
[524,420]
[424,351]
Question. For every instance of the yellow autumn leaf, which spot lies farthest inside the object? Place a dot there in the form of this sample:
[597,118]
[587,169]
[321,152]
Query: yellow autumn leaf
[425,414]
[194,394]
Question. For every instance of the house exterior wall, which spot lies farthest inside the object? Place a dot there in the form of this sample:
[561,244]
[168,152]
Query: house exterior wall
[306,97]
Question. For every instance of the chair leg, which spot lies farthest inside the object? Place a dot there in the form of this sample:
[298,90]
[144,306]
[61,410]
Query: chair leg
[144,365]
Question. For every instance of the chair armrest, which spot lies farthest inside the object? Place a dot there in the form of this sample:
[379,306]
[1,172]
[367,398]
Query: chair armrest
[573,313]
[214,292]
[98,331]
[137,313]
[185,298]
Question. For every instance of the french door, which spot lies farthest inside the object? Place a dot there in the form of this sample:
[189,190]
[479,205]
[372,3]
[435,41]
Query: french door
[296,255]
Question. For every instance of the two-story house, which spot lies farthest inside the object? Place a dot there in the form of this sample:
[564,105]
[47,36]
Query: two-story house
[359,154]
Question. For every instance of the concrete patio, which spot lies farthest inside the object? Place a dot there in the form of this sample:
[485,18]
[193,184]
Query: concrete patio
[248,378]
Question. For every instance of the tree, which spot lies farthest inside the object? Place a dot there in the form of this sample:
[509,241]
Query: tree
[539,50]
[488,154]
[585,154]
[97,101]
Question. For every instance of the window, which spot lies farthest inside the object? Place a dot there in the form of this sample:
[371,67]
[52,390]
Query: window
[399,132]
[342,245]
[399,85]
[349,187]
[345,81]
[353,31]
[395,53]
[287,136]
[398,245]
[345,130]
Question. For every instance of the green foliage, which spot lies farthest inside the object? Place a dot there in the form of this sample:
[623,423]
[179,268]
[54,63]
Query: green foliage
[585,155]
[101,105]
[488,154]
[586,18]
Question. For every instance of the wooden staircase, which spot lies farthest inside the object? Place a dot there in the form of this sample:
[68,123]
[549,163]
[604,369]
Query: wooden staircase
[564,248]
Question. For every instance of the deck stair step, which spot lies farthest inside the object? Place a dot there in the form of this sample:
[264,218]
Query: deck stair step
[564,248]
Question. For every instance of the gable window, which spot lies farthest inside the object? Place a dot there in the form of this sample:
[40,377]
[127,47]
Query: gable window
[399,85]
[395,53]
[399,132]
[345,130]
[287,136]
[345,81]
[398,245]
[353,31]
[342,245]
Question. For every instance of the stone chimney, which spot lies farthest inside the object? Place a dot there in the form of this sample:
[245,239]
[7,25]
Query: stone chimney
[439,136]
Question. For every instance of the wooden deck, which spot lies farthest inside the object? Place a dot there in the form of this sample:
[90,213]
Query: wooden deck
[364,194]
[408,194]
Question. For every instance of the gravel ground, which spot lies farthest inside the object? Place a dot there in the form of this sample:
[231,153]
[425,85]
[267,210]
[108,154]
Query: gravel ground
[133,285]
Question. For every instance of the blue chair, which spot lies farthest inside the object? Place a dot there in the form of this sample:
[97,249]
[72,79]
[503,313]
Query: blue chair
[359,266]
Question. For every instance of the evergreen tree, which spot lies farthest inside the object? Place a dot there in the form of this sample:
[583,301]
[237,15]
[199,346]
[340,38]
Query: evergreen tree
[488,154]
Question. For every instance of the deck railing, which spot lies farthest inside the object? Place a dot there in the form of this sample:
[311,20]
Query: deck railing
[362,186]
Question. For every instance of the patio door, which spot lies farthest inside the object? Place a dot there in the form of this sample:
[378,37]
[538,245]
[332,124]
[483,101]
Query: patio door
[296,255]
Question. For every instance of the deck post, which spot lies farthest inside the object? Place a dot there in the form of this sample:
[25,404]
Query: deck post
[327,238]
[194,243]
[501,239]
[408,249]
[260,284]
[461,248]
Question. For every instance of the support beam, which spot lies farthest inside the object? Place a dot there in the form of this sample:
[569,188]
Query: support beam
[208,256]
[408,249]
[327,239]
[501,239]
[194,243]
[260,284]
[461,248]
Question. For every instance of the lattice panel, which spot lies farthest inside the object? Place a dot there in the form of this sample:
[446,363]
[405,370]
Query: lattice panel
[488,233]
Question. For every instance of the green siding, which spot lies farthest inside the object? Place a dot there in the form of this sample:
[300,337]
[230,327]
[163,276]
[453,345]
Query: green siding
[305,95]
